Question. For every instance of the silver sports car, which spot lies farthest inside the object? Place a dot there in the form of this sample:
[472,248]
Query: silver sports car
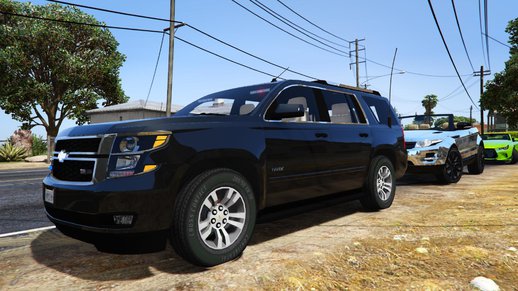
[437,145]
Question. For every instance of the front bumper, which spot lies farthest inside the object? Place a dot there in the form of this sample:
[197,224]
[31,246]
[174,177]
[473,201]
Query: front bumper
[429,156]
[492,154]
[92,207]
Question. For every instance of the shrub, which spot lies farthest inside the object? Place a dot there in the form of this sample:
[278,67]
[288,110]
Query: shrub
[10,153]
[39,146]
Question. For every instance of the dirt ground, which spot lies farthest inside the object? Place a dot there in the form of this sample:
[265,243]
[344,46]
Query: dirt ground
[434,237]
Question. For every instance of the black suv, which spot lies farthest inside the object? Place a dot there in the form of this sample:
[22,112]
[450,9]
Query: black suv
[204,174]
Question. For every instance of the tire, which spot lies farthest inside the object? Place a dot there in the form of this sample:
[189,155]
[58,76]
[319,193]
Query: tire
[214,217]
[477,166]
[381,174]
[452,170]
[514,159]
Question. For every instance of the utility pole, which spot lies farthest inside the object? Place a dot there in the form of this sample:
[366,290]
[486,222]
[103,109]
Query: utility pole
[357,66]
[357,62]
[482,73]
[170,66]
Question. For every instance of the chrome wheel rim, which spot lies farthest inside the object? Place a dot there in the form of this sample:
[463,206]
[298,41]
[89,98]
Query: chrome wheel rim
[384,183]
[221,218]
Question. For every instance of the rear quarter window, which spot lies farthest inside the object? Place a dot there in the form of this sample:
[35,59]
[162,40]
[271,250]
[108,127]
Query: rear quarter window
[380,110]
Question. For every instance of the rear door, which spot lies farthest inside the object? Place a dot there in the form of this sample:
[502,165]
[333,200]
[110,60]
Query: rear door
[343,157]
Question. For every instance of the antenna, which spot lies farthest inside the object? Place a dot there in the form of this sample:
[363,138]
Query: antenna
[275,79]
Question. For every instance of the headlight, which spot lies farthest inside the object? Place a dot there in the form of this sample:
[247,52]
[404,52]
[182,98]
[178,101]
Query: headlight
[129,144]
[130,154]
[134,144]
[427,143]
[503,148]
[126,162]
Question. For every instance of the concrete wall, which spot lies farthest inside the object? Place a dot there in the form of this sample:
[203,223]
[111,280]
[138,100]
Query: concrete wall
[124,115]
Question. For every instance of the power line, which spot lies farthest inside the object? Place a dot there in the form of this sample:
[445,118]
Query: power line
[167,20]
[310,22]
[481,32]
[249,54]
[227,59]
[461,36]
[285,31]
[455,93]
[82,23]
[294,25]
[504,44]
[140,30]
[156,66]
[449,54]
[192,27]
[486,32]
[114,11]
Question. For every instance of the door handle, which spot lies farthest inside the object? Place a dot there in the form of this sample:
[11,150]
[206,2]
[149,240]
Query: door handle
[363,134]
[456,136]
[321,134]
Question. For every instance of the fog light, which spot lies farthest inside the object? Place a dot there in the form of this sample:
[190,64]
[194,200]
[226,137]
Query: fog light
[117,174]
[123,219]
[126,162]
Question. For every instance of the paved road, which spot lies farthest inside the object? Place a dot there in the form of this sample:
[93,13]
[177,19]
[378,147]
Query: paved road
[21,205]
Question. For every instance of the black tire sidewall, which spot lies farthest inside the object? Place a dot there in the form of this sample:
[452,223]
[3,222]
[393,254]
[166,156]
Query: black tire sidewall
[478,165]
[514,158]
[372,198]
[194,245]
[444,175]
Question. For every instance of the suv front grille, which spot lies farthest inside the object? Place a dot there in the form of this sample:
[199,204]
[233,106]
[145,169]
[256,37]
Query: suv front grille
[73,170]
[78,145]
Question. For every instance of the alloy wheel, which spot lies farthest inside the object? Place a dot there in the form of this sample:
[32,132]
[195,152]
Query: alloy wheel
[221,218]
[384,183]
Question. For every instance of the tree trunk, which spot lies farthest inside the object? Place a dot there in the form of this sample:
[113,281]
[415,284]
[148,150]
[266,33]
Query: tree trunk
[52,132]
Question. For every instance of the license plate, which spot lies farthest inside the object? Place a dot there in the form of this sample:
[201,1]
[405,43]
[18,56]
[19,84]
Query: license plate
[49,195]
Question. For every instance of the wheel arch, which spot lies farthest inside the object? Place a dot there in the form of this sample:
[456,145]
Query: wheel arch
[240,161]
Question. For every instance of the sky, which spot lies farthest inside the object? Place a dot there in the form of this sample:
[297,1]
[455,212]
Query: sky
[385,25]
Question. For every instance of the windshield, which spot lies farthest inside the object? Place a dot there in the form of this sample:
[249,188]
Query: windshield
[239,101]
[426,122]
[495,137]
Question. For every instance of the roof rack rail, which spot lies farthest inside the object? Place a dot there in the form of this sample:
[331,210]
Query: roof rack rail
[360,89]
[321,82]
[348,87]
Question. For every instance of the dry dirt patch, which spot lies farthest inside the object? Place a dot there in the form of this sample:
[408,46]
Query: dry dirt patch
[465,229]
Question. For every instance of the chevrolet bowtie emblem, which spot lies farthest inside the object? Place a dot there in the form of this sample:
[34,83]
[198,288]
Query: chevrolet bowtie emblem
[62,156]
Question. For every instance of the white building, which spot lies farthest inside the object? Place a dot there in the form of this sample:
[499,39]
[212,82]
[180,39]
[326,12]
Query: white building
[139,109]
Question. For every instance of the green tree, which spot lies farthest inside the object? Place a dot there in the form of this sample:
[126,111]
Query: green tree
[429,102]
[50,70]
[456,119]
[501,93]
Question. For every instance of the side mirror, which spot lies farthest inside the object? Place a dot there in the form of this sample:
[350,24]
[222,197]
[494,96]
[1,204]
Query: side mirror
[288,111]
[463,125]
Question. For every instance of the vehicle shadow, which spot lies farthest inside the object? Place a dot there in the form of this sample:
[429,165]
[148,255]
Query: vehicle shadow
[79,259]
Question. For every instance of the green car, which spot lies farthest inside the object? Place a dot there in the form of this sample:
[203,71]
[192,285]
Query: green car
[500,147]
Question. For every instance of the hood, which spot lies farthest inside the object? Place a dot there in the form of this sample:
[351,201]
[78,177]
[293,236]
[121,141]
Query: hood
[417,135]
[148,125]
[496,143]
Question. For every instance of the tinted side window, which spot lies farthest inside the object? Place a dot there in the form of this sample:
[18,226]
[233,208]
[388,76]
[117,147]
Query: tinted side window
[342,108]
[380,109]
[297,95]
